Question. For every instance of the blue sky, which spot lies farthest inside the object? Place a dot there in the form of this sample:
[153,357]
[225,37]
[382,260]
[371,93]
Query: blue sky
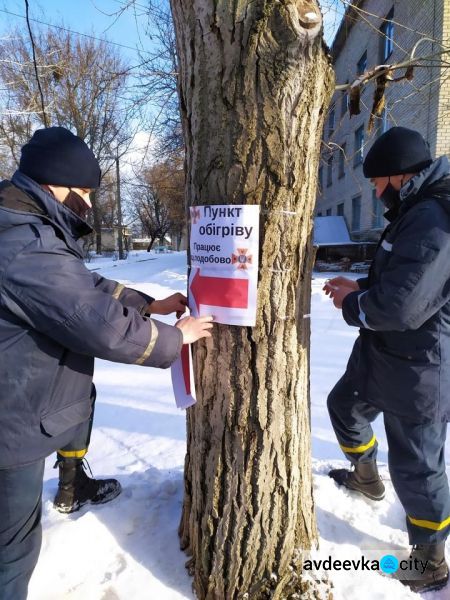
[333,11]
[100,18]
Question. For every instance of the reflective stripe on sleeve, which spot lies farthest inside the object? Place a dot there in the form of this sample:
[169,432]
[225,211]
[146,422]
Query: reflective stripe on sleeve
[362,314]
[430,524]
[119,288]
[359,448]
[151,345]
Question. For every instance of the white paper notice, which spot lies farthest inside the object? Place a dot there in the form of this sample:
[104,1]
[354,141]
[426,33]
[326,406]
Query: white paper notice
[224,263]
[183,380]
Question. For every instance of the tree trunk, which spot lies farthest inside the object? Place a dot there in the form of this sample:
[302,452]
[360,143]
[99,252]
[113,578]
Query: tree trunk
[177,235]
[254,83]
[97,222]
[152,241]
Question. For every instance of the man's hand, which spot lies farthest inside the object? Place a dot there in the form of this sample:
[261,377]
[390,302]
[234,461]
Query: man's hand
[338,282]
[175,303]
[338,294]
[193,329]
[338,288]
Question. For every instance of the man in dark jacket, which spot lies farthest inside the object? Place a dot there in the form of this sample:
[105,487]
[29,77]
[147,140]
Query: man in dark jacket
[55,317]
[400,363]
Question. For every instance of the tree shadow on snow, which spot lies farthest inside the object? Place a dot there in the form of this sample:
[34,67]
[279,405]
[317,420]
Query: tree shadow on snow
[336,530]
[144,521]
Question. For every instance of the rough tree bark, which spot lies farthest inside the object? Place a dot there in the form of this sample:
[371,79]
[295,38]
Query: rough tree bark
[254,83]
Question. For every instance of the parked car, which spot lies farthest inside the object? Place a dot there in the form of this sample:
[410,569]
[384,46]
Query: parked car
[360,267]
[325,266]
[162,249]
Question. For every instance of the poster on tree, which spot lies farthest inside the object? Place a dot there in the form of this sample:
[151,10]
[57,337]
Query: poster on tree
[223,278]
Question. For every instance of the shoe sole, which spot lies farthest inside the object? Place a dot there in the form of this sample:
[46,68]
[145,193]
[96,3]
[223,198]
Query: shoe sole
[370,496]
[432,588]
[338,477]
[71,509]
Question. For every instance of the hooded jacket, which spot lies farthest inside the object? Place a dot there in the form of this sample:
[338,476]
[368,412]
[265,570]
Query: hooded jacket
[401,359]
[55,317]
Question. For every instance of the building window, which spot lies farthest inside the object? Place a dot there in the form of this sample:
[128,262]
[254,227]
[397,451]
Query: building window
[319,214]
[377,211]
[361,66]
[330,170]
[359,146]
[340,209]
[328,212]
[342,159]
[356,213]
[387,36]
[383,122]
[331,120]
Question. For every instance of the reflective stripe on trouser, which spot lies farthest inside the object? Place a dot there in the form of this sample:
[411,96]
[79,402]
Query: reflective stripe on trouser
[416,460]
[20,527]
[79,445]
[351,418]
[417,467]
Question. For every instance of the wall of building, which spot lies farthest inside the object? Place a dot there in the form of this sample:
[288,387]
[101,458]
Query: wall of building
[110,239]
[443,132]
[419,104]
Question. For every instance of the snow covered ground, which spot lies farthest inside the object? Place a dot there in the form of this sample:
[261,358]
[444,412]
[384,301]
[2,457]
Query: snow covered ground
[128,549]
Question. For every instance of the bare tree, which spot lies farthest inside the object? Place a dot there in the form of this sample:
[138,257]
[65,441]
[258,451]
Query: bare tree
[148,203]
[159,81]
[106,201]
[6,162]
[254,83]
[168,178]
[83,82]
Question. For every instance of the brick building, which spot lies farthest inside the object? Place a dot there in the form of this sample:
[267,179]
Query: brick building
[375,32]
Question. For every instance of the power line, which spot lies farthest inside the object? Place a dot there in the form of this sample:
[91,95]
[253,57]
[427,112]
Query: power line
[44,115]
[92,37]
[127,5]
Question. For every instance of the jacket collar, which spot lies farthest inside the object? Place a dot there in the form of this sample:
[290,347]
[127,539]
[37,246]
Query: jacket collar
[439,169]
[65,219]
[419,185]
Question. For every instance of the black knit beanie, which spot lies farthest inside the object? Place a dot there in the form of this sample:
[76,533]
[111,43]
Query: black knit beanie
[397,151]
[56,156]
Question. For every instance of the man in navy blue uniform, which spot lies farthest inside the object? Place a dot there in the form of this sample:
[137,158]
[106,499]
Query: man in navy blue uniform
[55,317]
[400,363]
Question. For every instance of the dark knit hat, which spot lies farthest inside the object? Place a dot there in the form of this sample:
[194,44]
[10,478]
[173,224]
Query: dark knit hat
[56,156]
[397,151]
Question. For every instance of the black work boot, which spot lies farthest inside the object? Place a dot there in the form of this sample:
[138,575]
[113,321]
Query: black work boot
[364,479]
[75,488]
[427,569]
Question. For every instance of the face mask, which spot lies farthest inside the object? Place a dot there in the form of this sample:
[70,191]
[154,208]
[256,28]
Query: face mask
[390,197]
[76,204]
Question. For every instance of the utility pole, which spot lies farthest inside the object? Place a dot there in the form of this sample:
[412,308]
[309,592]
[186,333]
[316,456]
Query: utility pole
[119,210]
